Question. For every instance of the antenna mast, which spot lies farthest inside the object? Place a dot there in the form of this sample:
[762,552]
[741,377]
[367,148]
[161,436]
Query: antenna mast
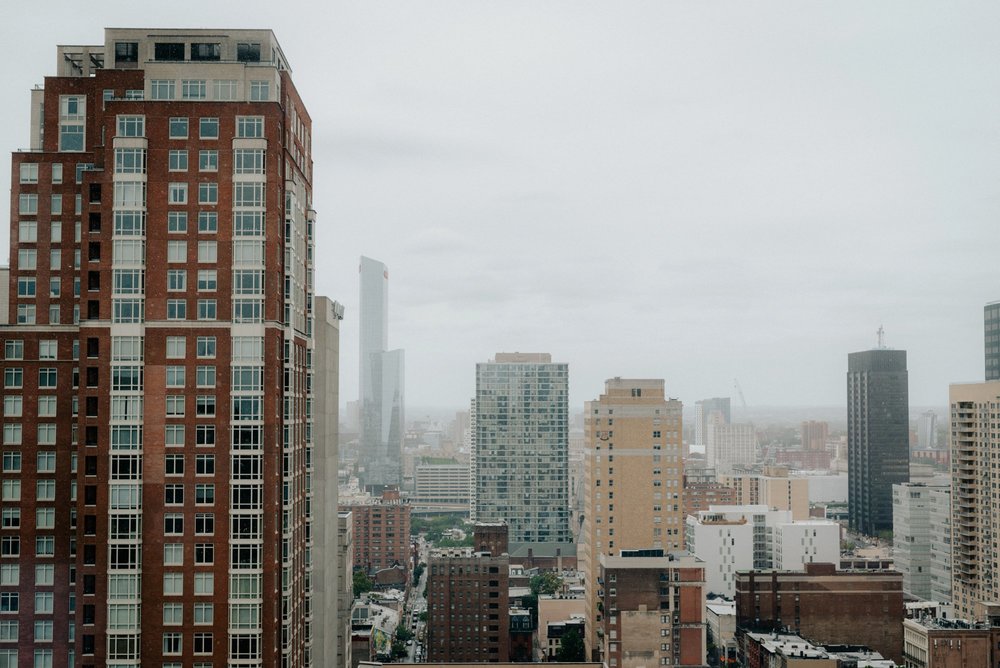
[880,333]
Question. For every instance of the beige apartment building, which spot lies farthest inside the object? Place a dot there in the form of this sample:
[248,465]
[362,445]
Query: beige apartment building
[975,445]
[774,489]
[633,473]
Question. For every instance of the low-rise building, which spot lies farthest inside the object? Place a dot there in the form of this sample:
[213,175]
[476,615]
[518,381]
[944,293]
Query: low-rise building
[555,631]
[773,488]
[720,616]
[652,609]
[950,643]
[825,605]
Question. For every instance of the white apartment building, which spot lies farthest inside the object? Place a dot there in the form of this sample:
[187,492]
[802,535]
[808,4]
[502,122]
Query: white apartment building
[911,509]
[799,543]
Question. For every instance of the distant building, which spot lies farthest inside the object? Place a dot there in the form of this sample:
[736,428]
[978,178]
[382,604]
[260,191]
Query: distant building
[975,522]
[773,488]
[441,486]
[345,589]
[652,610]
[815,435]
[720,617]
[787,650]
[877,435]
[633,476]
[467,607]
[825,605]
[911,511]
[716,409]
[554,632]
[381,377]
[927,431]
[520,465]
[731,445]
[381,532]
[491,538]
[939,524]
[553,610]
[991,339]
[700,496]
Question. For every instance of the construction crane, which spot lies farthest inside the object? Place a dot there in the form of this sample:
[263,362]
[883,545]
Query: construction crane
[739,392]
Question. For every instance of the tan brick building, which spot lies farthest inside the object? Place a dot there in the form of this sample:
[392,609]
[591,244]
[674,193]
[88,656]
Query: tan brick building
[633,491]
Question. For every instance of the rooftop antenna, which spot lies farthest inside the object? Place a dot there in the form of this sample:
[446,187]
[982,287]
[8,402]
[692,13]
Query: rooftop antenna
[881,337]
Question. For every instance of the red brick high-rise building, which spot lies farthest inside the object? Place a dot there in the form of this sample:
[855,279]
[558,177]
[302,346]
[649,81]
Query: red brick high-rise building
[158,361]
[381,533]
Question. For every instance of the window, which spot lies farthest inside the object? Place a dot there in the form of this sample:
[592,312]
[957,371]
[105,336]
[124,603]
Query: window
[204,464]
[176,280]
[176,309]
[248,161]
[208,128]
[250,126]
[45,461]
[27,204]
[176,251]
[72,113]
[205,434]
[173,524]
[43,602]
[173,614]
[8,633]
[175,405]
[206,51]
[128,281]
[129,195]
[45,546]
[29,172]
[130,223]
[225,89]
[207,280]
[27,259]
[174,435]
[13,349]
[178,161]
[46,434]
[177,221]
[10,518]
[173,584]
[204,554]
[202,643]
[171,643]
[9,601]
[204,524]
[10,546]
[248,52]
[194,89]
[26,287]
[55,232]
[206,376]
[178,128]
[208,193]
[47,378]
[204,494]
[175,347]
[206,346]
[203,613]
[207,309]
[126,52]
[177,193]
[131,126]
[168,51]
[13,377]
[11,490]
[57,173]
[248,252]
[10,576]
[12,434]
[27,231]
[208,161]
[162,89]
[259,90]
[173,465]
[55,205]
[12,405]
[45,518]
[45,490]
[208,221]
[204,583]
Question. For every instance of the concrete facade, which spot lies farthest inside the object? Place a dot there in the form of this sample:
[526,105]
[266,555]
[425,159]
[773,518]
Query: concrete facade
[911,511]
[975,445]
[940,537]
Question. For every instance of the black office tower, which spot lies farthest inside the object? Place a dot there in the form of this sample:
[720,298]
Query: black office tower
[878,435]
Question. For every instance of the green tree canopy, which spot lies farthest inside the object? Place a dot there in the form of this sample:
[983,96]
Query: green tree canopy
[362,583]
[571,648]
[547,583]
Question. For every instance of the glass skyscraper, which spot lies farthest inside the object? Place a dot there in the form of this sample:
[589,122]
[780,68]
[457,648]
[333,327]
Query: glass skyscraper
[878,436]
[521,459]
[381,378]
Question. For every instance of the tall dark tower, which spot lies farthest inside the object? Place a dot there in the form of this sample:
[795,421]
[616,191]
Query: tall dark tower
[877,436]
[991,339]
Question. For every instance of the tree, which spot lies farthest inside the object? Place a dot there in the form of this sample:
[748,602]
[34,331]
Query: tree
[571,648]
[362,583]
[418,570]
[547,583]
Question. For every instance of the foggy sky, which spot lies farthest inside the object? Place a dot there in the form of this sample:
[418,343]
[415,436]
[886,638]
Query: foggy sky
[693,191]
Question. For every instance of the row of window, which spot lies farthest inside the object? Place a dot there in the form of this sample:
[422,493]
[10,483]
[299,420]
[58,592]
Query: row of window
[247,127]
[198,89]
[128,52]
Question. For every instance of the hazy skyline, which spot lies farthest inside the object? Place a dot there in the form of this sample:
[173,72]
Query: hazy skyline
[683,191]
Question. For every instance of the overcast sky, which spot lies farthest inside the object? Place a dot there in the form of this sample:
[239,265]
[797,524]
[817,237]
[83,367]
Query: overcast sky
[693,191]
